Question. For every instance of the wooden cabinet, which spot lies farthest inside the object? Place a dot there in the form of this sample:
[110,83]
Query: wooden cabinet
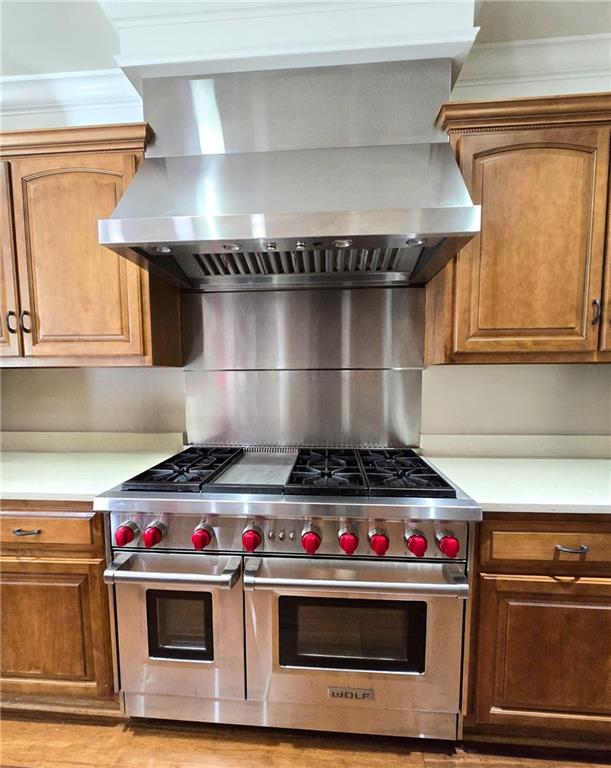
[541,647]
[10,338]
[529,288]
[54,606]
[78,303]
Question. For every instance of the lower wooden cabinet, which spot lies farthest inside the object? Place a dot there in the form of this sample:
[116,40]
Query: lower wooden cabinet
[544,652]
[54,612]
[55,630]
[541,640]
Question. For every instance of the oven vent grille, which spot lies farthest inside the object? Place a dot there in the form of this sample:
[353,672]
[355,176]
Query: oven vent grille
[307,262]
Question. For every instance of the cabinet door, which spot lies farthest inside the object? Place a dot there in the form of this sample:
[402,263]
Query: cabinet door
[82,299]
[9,304]
[544,652]
[55,627]
[528,282]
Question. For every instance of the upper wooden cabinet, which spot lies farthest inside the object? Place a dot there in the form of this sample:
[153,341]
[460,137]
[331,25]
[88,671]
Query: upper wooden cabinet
[77,303]
[530,286]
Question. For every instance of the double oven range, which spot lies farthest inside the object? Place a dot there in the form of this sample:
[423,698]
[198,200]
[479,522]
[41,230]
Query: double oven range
[302,588]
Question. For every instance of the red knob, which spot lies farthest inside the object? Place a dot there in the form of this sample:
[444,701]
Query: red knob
[379,543]
[124,535]
[251,539]
[417,544]
[152,535]
[201,538]
[449,545]
[310,541]
[349,542]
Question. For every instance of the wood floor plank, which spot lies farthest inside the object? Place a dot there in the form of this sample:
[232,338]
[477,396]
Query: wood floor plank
[69,743]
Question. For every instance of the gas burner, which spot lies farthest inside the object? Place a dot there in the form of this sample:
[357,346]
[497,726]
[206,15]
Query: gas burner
[401,472]
[326,471]
[185,472]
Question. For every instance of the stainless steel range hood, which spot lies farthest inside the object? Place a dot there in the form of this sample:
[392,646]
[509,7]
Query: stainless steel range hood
[238,193]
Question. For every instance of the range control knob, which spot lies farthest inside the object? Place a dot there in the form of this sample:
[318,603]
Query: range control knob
[379,542]
[416,542]
[126,533]
[202,536]
[448,543]
[251,539]
[310,540]
[153,534]
[349,542]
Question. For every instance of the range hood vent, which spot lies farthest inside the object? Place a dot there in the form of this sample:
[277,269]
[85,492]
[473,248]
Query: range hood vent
[286,198]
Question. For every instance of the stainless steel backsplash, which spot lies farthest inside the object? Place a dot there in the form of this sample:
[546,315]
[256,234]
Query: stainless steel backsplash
[326,367]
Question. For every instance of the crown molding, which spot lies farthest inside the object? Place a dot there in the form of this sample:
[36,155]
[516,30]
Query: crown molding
[68,99]
[541,67]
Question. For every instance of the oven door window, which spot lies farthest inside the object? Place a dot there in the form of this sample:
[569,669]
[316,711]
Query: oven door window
[371,635]
[179,624]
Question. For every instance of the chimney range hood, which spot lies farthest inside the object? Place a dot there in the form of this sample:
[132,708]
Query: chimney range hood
[295,178]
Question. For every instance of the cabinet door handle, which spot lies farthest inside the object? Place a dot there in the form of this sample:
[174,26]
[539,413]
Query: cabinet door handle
[580,550]
[9,315]
[22,318]
[596,315]
[21,532]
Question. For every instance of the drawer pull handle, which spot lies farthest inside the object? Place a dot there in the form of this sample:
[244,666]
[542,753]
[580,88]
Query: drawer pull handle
[580,550]
[21,532]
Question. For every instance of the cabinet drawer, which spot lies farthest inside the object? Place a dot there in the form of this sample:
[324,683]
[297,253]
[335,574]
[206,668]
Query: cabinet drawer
[42,529]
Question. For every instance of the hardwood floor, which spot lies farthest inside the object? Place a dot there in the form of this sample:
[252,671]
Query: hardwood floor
[73,743]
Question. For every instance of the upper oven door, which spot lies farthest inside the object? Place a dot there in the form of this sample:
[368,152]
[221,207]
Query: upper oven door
[179,623]
[374,634]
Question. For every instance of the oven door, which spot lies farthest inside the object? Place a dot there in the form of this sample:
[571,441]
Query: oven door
[377,635]
[179,624]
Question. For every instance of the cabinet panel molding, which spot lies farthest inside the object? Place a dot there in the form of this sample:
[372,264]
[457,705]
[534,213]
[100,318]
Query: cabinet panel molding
[10,339]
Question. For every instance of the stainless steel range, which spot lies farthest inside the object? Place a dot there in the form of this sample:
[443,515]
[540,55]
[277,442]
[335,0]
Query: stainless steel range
[314,588]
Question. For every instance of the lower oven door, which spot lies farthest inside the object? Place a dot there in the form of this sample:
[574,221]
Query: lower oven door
[373,635]
[179,624]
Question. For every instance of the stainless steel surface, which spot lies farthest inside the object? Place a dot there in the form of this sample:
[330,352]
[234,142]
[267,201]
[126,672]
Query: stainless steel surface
[245,506]
[304,407]
[332,715]
[205,207]
[282,535]
[309,329]
[258,469]
[120,570]
[437,689]
[340,106]
[143,674]
[335,576]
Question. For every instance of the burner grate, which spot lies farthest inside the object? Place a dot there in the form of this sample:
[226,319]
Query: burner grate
[186,471]
[398,472]
[326,471]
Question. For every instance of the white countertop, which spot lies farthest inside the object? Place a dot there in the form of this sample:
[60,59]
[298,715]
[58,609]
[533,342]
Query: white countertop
[507,484]
[532,485]
[67,476]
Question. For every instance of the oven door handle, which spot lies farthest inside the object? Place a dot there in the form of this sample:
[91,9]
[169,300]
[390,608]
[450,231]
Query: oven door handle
[455,585]
[119,572]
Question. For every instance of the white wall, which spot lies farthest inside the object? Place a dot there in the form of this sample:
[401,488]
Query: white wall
[92,399]
[456,400]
